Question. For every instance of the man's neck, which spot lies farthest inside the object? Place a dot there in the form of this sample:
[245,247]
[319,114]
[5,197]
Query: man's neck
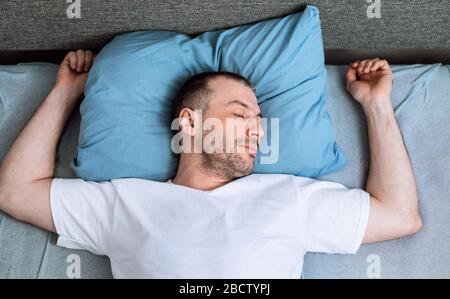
[190,174]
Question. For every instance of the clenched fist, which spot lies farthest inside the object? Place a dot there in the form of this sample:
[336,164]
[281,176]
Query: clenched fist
[369,80]
[73,72]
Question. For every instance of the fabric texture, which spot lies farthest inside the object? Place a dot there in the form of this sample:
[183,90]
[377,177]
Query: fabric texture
[259,226]
[126,115]
[402,24]
[28,252]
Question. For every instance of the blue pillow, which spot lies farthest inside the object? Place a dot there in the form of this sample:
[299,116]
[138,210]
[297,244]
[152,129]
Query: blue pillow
[126,114]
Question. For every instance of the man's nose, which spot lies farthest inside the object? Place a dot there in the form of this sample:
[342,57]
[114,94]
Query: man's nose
[255,129]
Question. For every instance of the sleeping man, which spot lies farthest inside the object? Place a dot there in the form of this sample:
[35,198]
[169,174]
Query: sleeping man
[214,219]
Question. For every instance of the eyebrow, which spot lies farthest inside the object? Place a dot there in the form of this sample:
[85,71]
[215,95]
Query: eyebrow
[239,102]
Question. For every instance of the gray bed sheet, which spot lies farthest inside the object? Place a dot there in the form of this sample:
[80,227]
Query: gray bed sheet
[421,96]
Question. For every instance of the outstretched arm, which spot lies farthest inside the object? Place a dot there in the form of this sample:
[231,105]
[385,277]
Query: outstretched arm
[394,210]
[27,170]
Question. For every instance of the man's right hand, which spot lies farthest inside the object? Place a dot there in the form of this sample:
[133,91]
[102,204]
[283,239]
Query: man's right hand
[369,80]
[27,171]
[73,72]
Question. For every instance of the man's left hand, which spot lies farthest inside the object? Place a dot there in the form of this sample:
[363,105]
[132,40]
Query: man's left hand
[369,80]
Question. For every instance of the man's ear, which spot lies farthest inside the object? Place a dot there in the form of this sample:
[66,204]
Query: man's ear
[187,122]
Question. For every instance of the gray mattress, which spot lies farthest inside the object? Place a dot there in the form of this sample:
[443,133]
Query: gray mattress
[346,25]
[422,97]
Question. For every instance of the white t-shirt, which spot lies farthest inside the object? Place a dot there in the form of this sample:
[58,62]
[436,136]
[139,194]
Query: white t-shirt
[259,226]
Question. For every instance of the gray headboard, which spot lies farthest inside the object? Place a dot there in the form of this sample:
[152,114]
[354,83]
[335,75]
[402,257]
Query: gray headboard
[420,29]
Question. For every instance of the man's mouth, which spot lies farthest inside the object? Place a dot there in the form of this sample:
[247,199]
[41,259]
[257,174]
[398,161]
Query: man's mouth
[251,149]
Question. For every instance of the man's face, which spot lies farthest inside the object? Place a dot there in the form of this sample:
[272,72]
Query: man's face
[235,106]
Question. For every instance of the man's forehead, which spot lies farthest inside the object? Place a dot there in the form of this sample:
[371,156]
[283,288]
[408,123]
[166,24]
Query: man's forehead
[229,91]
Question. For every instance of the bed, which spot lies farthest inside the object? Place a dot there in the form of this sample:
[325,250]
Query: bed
[421,96]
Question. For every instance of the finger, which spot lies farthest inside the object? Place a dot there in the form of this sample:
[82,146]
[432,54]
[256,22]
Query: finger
[89,59]
[80,63]
[71,59]
[374,64]
[369,65]
[362,65]
[385,65]
[381,65]
[355,64]
[67,58]
[351,76]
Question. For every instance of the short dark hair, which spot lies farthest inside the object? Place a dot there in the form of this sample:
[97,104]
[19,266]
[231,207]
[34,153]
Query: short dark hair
[195,93]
